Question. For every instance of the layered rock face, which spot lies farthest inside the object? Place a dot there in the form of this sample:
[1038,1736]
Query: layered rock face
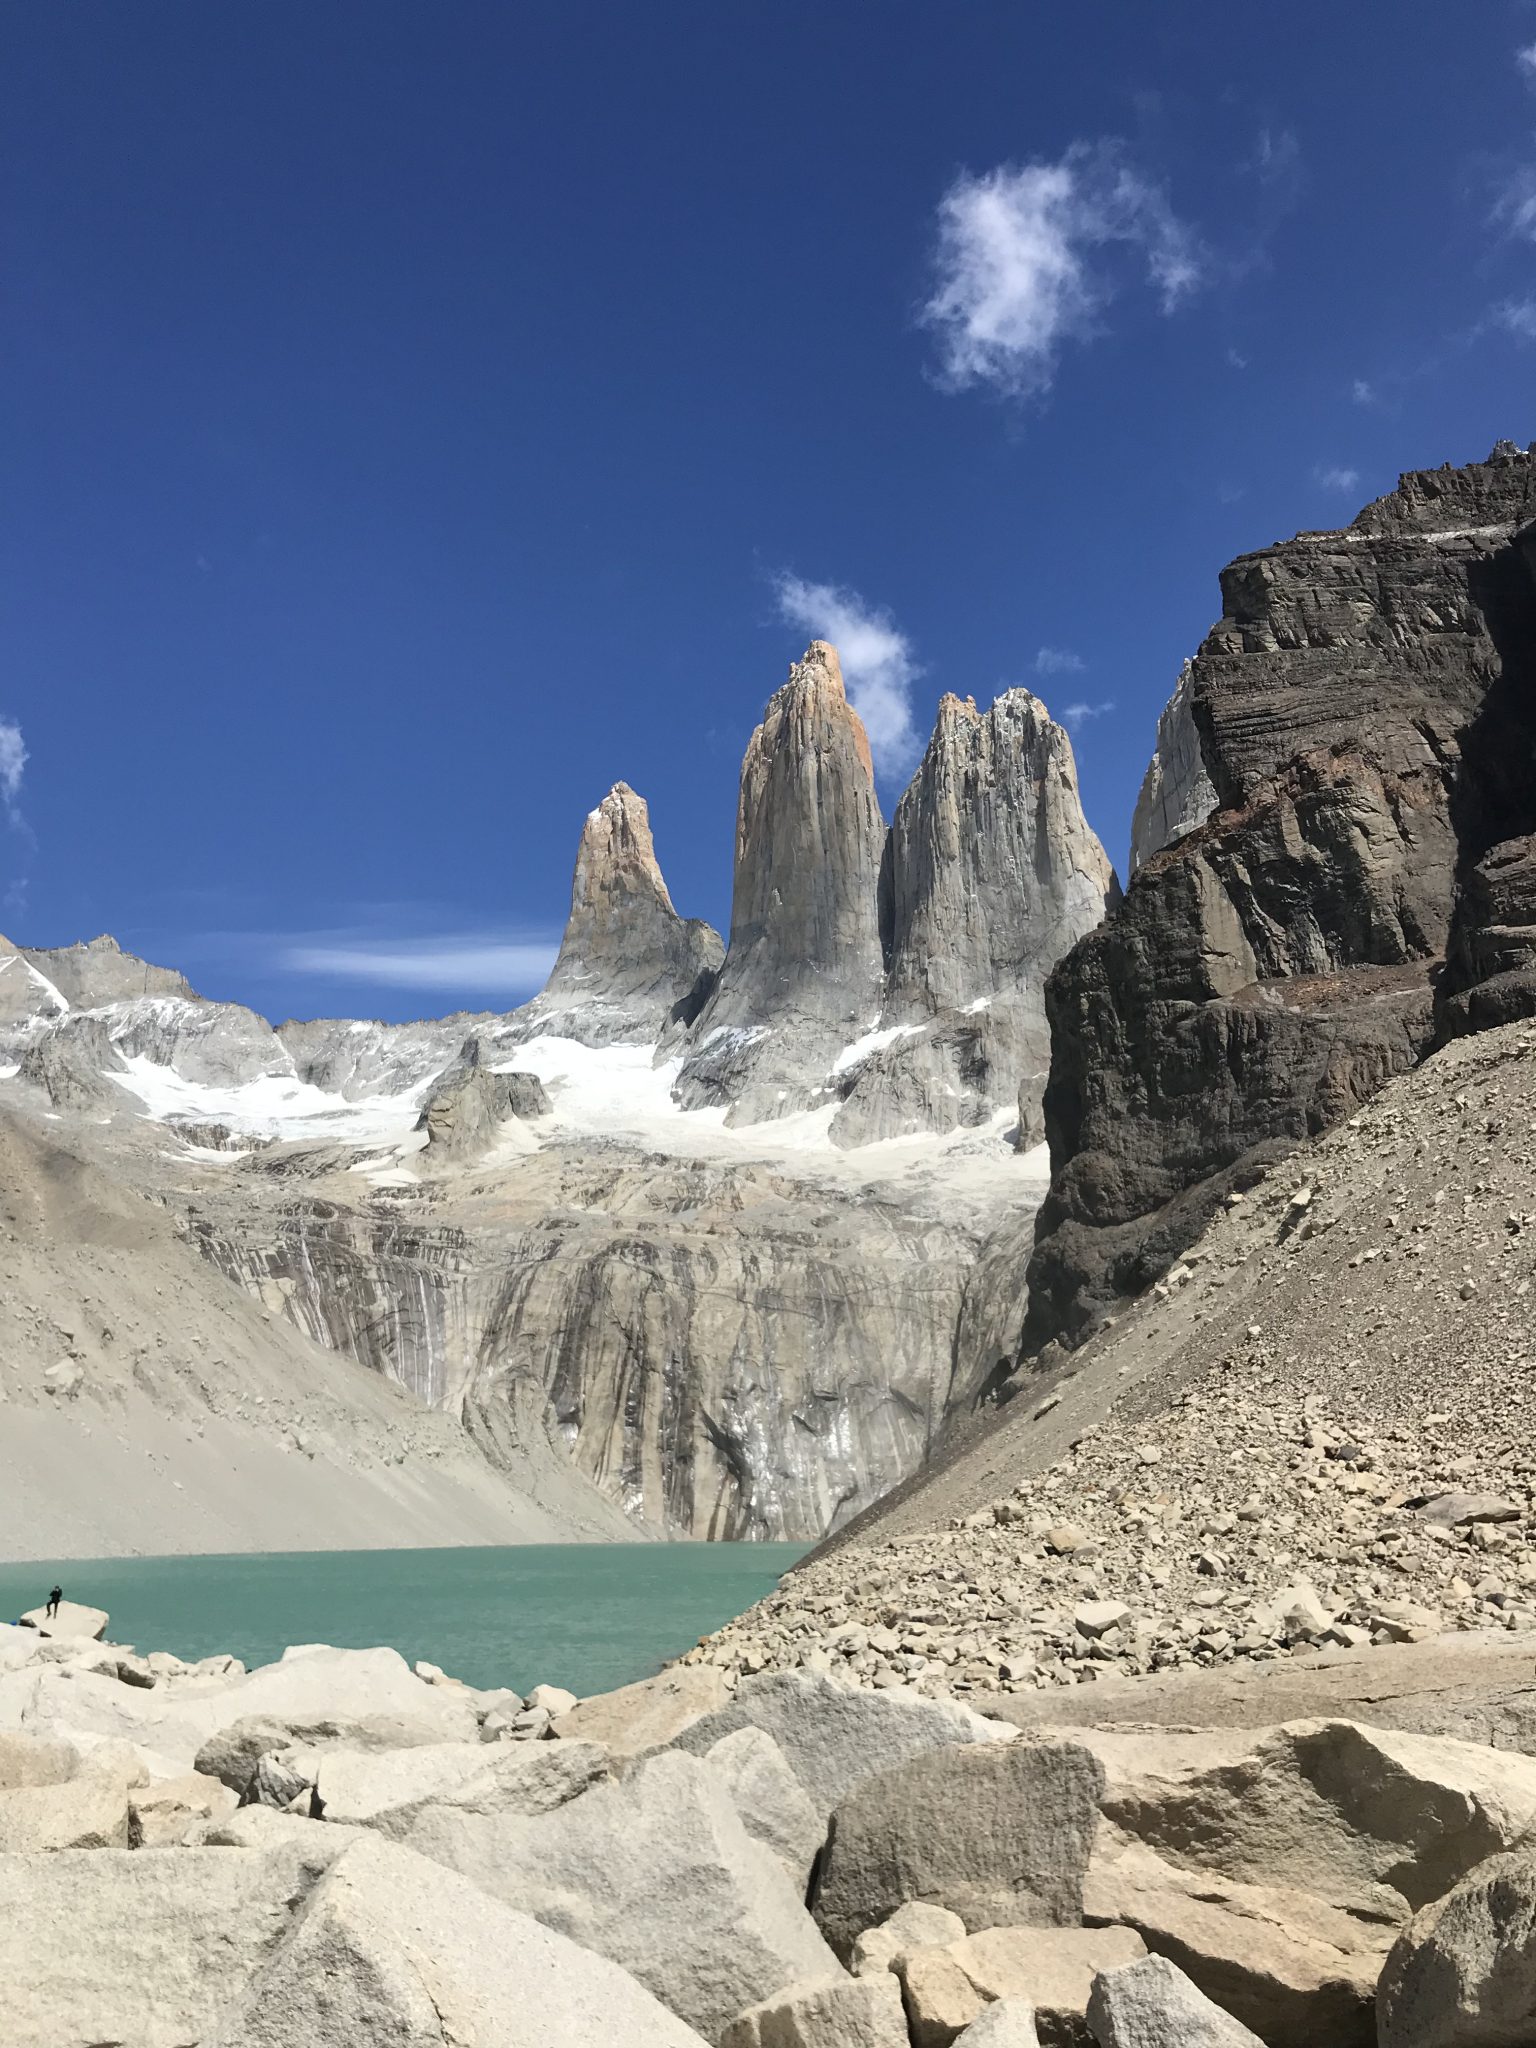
[803,971]
[1269,970]
[1176,793]
[628,965]
[991,874]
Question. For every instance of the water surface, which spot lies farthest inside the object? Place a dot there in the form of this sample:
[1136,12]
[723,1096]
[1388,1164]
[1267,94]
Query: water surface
[584,1615]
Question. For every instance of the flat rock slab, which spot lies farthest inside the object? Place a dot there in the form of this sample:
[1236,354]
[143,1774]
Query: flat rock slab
[1000,1835]
[649,1714]
[71,1620]
[387,1789]
[1052,1969]
[834,2012]
[90,1812]
[1479,1687]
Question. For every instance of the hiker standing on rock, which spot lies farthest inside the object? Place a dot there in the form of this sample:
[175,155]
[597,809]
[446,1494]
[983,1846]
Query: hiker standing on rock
[53,1602]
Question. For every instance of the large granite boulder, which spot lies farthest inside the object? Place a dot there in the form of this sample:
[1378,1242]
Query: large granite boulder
[774,1806]
[648,1714]
[832,1737]
[999,1835]
[1152,2004]
[834,2012]
[388,1789]
[70,1619]
[654,1871]
[392,1948]
[1463,1974]
[1050,1969]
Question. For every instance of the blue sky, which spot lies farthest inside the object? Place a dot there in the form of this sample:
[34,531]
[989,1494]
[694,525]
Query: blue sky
[419,417]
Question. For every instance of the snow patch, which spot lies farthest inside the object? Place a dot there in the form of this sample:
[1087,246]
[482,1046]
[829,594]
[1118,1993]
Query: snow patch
[10,1073]
[981,1003]
[872,1042]
[272,1106]
[54,996]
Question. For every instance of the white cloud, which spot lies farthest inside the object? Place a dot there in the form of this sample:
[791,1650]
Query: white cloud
[1526,59]
[1516,205]
[1363,392]
[476,963]
[1027,260]
[1076,716]
[13,761]
[1058,661]
[876,655]
[1517,317]
[1334,478]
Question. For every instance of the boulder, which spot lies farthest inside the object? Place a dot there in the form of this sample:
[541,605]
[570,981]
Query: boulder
[654,1871]
[34,1760]
[1001,1835]
[386,1789]
[1463,1974]
[1052,1969]
[392,1948]
[1279,1959]
[835,2012]
[90,1812]
[832,1736]
[1151,2004]
[231,1752]
[553,1700]
[649,1714]
[71,1620]
[1369,1820]
[909,1927]
[770,1799]
[162,1812]
[144,1946]
[281,1781]
[1008,2023]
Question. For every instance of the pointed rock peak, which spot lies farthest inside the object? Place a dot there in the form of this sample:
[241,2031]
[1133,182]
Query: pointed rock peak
[811,707]
[617,850]
[822,655]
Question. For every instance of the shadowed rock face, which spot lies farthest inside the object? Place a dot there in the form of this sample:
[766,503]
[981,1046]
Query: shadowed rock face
[802,976]
[627,963]
[1270,970]
[1176,793]
[991,874]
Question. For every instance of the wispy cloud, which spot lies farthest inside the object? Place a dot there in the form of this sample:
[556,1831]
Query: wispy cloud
[469,963]
[878,665]
[13,762]
[1515,208]
[1277,164]
[1336,478]
[1058,661]
[1030,255]
[1363,392]
[1076,716]
[1526,59]
[1517,317]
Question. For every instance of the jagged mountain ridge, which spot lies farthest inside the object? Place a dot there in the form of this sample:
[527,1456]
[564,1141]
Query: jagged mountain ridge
[733,1327]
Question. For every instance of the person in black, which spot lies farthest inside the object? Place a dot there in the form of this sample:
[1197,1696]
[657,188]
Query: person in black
[53,1601]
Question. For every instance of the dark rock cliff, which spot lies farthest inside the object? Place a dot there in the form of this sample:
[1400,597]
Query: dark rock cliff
[1364,717]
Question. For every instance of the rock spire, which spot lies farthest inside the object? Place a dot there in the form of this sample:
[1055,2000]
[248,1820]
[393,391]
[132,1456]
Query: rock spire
[803,972]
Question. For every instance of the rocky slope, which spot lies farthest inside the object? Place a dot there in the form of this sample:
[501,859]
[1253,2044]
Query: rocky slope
[1362,710]
[1313,1432]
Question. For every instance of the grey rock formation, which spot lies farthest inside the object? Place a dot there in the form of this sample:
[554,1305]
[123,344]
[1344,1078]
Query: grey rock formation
[803,972]
[1269,971]
[1152,2004]
[628,965]
[468,1105]
[1463,1974]
[991,874]
[1176,793]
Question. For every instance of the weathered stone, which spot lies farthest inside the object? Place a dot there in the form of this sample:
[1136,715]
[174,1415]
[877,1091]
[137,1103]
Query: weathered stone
[654,1871]
[71,1620]
[387,1789]
[1152,2004]
[649,1714]
[163,1811]
[34,1760]
[1001,1836]
[910,1927]
[1460,1510]
[1051,1968]
[832,1736]
[1006,2023]
[1463,1974]
[90,1812]
[773,1804]
[837,2012]
[391,1947]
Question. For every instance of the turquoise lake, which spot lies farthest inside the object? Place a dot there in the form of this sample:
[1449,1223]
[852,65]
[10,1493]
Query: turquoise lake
[585,1616]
